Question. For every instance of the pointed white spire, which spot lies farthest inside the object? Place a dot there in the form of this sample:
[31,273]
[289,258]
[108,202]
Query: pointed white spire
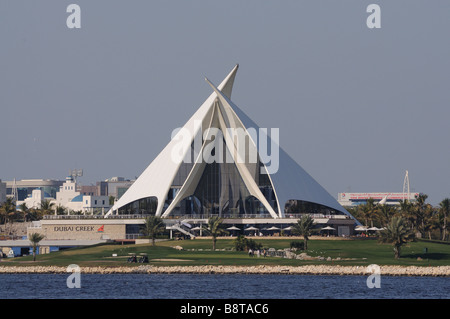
[227,88]
[157,178]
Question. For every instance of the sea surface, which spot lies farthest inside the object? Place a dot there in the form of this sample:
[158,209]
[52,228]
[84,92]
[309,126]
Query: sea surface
[191,286]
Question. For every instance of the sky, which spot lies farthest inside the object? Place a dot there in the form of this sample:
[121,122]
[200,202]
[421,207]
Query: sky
[356,107]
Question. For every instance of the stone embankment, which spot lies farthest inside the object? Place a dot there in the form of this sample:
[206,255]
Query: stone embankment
[261,269]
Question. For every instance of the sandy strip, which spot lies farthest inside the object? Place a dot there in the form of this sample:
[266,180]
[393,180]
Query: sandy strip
[262,269]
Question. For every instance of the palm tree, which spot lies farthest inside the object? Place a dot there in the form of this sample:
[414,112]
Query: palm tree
[35,238]
[35,214]
[419,212]
[405,209]
[47,207]
[153,226]
[386,212]
[25,211]
[60,210]
[444,210]
[371,210]
[304,227]
[215,228]
[396,233]
[363,211]
[8,210]
[430,219]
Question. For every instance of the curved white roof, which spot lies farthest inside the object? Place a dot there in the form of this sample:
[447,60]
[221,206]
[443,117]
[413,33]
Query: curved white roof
[289,182]
[158,176]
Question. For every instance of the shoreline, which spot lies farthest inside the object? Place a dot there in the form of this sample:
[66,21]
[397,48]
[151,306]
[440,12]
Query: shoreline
[437,271]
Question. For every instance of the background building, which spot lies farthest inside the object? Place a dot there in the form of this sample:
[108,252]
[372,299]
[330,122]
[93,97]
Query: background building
[25,187]
[73,200]
[355,199]
[91,190]
[34,200]
[2,191]
[114,186]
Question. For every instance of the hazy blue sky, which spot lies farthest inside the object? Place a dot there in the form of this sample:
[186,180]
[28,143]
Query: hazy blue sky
[356,107]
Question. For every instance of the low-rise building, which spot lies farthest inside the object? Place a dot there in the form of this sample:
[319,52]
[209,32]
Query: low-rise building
[25,187]
[88,204]
[71,199]
[2,191]
[355,199]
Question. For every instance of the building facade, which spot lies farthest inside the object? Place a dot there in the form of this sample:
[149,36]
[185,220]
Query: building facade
[25,187]
[74,201]
[2,192]
[355,199]
[202,180]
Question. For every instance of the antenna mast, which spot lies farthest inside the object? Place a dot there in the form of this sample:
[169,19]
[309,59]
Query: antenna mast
[406,186]
[76,173]
[14,194]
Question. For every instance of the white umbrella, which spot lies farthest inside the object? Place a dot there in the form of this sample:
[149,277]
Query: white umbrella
[273,228]
[251,228]
[328,228]
[233,228]
[361,228]
[287,228]
[374,228]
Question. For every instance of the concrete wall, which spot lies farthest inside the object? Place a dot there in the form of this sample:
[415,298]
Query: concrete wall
[81,230]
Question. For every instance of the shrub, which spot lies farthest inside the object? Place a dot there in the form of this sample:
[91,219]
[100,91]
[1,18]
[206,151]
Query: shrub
[253,245]
[297,245]
[240,243]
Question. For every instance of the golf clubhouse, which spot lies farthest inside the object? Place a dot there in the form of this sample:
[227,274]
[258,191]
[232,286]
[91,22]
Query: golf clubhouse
[208,170]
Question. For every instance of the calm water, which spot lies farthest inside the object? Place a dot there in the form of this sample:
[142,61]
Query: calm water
[186,286]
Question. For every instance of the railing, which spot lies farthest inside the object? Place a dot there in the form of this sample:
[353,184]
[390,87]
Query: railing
[132,236]
[189,217]
[183,229]
[261,216]
[79,217]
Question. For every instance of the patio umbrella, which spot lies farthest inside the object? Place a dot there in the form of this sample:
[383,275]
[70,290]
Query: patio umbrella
[328,228]
[288,228]
[251,228]
[273,228]
[233,228]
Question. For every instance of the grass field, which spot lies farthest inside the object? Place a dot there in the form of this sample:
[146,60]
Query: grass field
[198,252]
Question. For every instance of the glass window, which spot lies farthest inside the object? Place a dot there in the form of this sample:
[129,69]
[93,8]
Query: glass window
[143,206]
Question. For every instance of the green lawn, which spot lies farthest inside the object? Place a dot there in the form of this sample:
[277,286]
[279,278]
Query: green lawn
[198,252]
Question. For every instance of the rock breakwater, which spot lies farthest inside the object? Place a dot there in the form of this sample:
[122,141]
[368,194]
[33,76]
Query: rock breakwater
[260,269]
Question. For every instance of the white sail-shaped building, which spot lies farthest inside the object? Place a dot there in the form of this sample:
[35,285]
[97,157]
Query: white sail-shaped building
[222,163]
